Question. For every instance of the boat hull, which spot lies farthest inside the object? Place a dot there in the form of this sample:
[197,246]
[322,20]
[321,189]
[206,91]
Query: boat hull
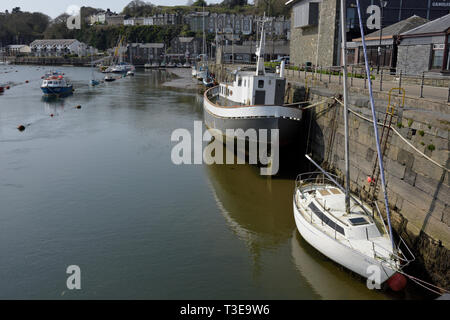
[286,120]
[57,90]
[338,252]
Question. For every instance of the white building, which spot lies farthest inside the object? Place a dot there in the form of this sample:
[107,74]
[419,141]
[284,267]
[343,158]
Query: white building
[58,47]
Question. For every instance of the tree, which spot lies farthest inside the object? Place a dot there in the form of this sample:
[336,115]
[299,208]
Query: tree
[16,10]
[139,8]
[233,3]
[200,3]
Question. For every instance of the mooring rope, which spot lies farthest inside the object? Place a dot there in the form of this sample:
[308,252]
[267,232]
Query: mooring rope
[401,137]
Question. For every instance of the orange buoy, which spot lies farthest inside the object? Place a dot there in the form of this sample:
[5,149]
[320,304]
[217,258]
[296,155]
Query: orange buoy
[21,127]
[397,282]
[369,179]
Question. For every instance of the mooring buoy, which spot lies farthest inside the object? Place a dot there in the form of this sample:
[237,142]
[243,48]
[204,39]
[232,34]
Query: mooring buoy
[21,127]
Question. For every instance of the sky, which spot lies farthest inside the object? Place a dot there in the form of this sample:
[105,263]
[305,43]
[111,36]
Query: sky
[54,8]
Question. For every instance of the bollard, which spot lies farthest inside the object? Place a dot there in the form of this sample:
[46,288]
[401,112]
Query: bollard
[329,75]
[340,76]
[305,71]
[351,78]
[400,82]
[381,80]
[365,80]
[320,76]
[421,84]
[448,97]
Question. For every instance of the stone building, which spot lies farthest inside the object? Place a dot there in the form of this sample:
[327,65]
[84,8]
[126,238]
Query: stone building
[425,48]
[189,46]
[315,24]
[145,52]
[387,56]
[17,49]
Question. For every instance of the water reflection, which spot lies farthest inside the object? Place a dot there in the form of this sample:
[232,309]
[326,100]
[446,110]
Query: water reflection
[325,277]
[256,208]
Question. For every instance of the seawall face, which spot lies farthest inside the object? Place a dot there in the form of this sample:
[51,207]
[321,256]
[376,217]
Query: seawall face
[418,190]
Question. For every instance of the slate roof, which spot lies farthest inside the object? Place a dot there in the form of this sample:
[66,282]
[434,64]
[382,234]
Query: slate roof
[397,28]
[436,26]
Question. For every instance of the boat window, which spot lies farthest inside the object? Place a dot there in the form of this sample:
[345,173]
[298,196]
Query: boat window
[239,82]
[260,83]
[358,221]
[245,83]
[270,82]
[325,219]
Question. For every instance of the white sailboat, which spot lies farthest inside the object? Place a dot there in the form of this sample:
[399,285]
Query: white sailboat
[340,225]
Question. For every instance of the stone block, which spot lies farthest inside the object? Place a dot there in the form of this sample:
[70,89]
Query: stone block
[406,158]
[410,176]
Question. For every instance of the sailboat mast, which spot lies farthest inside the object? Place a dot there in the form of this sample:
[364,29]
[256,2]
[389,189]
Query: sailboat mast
[375,128]
[344,63]
[204,39]
[260,69]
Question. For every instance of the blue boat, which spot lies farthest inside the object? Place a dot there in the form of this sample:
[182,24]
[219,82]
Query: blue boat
[56,85]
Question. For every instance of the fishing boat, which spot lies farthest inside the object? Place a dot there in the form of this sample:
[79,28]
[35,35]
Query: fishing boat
[340,224]
[253,100]
[56,85]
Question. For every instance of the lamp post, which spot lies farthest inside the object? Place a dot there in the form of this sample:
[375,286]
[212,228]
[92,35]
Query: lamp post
[383,3]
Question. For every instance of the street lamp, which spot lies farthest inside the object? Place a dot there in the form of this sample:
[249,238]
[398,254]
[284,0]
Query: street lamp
[383,3]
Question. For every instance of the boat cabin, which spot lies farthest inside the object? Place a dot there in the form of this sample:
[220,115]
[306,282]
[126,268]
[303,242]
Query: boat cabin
[250,89]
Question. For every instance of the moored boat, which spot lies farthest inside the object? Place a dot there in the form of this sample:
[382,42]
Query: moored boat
[340,224]
[56,85]
[253,100]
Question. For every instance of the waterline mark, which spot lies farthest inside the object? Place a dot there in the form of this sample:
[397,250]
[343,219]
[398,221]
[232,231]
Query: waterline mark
[263,147]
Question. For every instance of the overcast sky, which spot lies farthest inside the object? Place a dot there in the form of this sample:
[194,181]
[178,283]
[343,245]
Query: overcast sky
[53,8]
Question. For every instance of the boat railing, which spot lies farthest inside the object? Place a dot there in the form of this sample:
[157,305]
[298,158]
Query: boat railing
[212,93]
[311,179]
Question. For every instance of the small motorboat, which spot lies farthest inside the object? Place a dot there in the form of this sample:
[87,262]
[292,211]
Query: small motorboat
[56,85]
[186,65]
[179,65]
[147,65]
[94,83]
[109,78]
[130,73]
[170,65]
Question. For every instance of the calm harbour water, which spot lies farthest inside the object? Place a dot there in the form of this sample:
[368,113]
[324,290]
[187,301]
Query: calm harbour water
[95,187]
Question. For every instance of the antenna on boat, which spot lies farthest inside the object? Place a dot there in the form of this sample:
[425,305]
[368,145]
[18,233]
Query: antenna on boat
[375,128]
[260,69]
[344,63]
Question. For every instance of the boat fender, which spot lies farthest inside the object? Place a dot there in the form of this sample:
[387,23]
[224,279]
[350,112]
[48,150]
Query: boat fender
[397,282]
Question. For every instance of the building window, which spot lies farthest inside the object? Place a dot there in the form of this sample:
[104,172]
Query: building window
[245,83]
[239,82]
[437,56]
[260,83]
